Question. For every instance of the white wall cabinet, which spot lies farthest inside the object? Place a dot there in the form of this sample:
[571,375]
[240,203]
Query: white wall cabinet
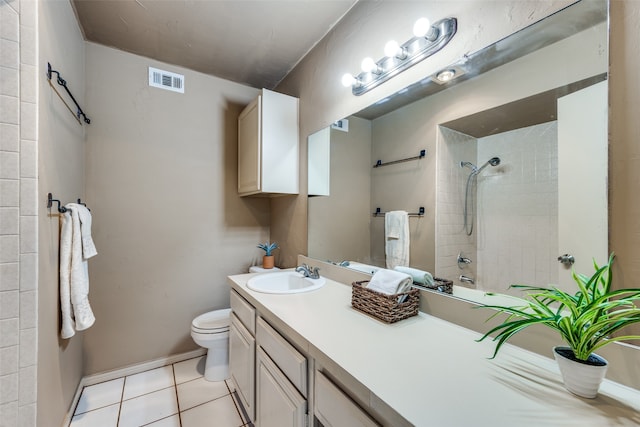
[319,162]
[268,157]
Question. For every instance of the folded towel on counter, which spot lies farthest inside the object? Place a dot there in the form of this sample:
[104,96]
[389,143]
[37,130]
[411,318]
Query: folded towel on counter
[396,231]
[390,282]
[419,276]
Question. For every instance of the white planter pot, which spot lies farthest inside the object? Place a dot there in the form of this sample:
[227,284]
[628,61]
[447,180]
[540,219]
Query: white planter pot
[581,378]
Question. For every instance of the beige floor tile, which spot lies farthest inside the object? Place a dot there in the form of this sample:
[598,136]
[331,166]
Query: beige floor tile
[222,410]
[148,408]
[148,381]
[100,395]
[104,417]
[199,391]
[188,370]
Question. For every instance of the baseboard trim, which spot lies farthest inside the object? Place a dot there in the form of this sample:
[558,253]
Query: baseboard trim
[123,372]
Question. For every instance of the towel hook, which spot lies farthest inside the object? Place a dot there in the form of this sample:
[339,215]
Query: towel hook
[51,200]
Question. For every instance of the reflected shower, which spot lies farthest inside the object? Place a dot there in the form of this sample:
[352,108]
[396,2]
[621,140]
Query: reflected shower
[471,180]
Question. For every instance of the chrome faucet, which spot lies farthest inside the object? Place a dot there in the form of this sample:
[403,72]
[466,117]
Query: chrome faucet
[463,260]
[466,279]
[311,273]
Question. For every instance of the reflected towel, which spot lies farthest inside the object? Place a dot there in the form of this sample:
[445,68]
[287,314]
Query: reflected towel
[390,282]
[419,276]
[396,226]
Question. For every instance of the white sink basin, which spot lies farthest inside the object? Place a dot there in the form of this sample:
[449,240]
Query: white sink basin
[285,282]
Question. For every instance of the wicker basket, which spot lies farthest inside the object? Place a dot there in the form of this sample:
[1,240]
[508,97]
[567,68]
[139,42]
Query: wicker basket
[440,285]
[382,306]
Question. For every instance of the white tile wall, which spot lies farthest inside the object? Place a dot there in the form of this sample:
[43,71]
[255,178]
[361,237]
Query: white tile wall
[18,212]
[453,147]
[515,234]
[518,208]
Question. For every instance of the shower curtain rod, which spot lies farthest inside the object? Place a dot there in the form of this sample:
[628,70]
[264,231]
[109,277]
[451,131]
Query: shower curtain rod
[62,82]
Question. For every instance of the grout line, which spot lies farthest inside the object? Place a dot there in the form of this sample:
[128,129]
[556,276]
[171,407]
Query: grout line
[175,386]
[124,383]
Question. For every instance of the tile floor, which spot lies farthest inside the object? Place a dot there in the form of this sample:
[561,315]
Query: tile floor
[172,396]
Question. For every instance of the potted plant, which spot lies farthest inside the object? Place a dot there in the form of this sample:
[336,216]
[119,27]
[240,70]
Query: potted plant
[267,259]
[585,320]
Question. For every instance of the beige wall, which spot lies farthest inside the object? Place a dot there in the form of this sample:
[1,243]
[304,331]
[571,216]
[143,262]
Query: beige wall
[161,178]
[339,223]
[61,172]
[18,212]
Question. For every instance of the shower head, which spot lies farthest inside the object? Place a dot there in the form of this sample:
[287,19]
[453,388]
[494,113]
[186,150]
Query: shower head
[494,161]
[468,165]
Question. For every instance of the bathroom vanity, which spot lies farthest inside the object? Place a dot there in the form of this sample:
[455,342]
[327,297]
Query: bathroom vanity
[311,358]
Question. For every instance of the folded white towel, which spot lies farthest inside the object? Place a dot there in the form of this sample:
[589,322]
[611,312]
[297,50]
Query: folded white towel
[396,227]
[419,276]
[390,282]
[74,274]
[88,247]
[66,230]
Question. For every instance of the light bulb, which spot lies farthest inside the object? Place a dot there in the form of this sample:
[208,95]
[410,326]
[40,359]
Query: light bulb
[368,65]
[391,49]
[421,27]
[348,80]
[446,75]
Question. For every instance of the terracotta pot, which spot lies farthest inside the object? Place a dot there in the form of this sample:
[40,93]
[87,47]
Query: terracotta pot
[580,378]
[267,261]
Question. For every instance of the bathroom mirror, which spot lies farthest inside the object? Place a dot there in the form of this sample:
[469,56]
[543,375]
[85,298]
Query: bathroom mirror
[518,142]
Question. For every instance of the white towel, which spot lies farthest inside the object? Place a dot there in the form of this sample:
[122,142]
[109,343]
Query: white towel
[419,276]
[88,247]
[74,274]
[390,282]
[396,225]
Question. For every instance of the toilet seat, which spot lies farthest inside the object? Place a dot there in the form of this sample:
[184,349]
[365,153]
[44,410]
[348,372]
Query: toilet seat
[213,322]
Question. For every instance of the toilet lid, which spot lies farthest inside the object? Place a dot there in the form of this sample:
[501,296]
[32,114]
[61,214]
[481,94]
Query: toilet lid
[218,319]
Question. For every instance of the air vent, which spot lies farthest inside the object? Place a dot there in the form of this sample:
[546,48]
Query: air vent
[166,80]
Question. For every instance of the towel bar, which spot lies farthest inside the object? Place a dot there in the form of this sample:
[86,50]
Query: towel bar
[61,209]
[420,212]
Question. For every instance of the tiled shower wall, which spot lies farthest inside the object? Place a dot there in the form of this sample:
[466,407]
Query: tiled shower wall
[453,148]
[18,213]
[515,236]
[518,208]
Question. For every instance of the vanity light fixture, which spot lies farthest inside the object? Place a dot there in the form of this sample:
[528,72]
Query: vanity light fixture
[429,39]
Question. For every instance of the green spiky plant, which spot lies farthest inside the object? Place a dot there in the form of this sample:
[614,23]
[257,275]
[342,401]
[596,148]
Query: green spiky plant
[268,247]
[585,320]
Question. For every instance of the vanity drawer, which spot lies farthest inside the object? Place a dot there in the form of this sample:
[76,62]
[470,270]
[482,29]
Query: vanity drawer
[244,311]
[335,409]
[290,361]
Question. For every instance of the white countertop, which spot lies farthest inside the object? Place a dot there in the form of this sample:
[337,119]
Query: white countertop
[434,373]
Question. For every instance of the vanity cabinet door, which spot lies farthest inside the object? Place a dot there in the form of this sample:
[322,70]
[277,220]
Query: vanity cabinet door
[278,403]
[242,347]
[333,408]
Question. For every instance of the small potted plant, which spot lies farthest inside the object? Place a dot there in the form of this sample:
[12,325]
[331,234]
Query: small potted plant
[585,320]
[267,259]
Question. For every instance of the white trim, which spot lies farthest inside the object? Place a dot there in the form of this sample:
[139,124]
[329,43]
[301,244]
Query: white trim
[123,372]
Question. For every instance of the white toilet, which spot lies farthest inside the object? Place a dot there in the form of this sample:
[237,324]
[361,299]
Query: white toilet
[211,331]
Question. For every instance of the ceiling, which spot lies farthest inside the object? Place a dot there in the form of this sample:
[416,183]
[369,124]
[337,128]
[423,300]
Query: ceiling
[254,42]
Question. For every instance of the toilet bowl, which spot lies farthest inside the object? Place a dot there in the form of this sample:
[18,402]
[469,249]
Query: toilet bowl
[211,331]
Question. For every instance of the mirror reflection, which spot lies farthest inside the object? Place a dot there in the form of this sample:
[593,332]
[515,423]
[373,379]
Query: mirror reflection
[515,171]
